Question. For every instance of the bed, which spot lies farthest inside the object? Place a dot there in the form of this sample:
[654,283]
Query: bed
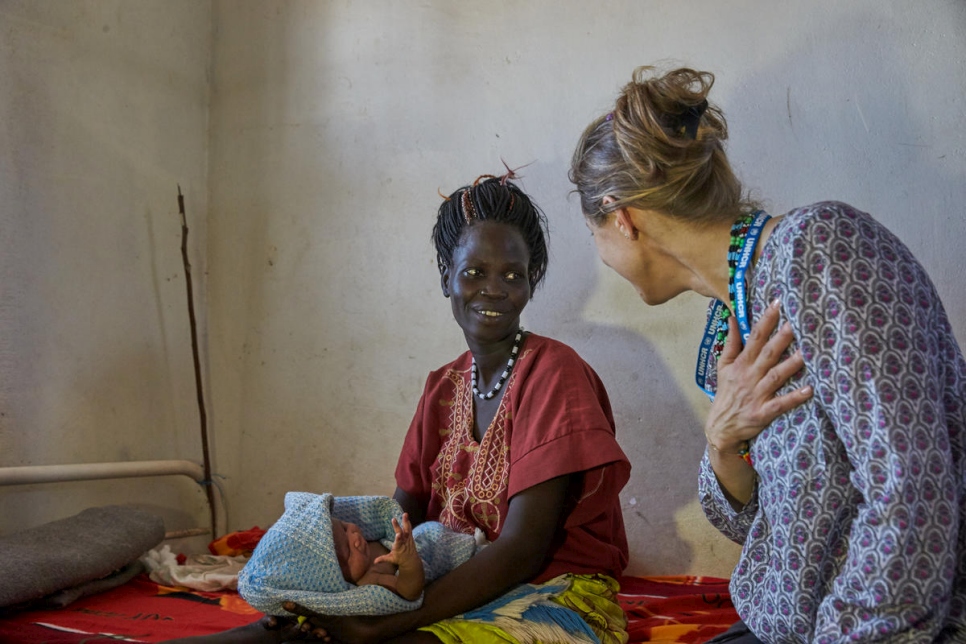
[97,589]
[659,609]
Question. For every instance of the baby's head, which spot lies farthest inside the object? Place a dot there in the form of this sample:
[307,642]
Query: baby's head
[351,549]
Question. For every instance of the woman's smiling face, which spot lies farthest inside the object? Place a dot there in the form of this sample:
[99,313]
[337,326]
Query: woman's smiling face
[488,282]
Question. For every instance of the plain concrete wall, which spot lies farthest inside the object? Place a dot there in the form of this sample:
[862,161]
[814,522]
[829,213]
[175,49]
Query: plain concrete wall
[103,112]
[335,124]
[332,127]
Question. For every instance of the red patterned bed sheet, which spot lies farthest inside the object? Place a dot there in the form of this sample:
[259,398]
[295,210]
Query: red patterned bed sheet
[676,608]
[138,611]
[659,609]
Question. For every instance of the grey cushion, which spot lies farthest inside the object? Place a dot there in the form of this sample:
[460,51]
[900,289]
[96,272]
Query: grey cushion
[63,554]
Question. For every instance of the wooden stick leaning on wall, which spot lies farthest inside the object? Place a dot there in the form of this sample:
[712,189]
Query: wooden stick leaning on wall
[195,354]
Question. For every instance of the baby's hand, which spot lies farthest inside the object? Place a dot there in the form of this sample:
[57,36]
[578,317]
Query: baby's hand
[403,546]
[410,577]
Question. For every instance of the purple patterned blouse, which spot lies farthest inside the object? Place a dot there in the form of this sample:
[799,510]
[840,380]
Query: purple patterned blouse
[857,530]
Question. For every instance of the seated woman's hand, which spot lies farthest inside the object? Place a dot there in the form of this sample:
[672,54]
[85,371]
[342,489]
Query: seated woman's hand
[330,628]
[748,381]
[285,628]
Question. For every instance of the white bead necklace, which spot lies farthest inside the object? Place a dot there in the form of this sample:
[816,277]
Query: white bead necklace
[506,372]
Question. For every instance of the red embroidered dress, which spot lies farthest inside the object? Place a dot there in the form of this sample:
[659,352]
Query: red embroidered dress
[554,419]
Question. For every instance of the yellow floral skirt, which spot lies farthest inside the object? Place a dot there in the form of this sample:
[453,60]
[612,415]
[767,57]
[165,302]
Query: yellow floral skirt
[568,608]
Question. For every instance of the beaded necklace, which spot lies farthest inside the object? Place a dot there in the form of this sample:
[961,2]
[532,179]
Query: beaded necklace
[739,234]
[506,372]
[741,248]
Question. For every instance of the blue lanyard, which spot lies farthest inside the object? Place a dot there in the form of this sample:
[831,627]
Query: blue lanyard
[716,308]
[744,261]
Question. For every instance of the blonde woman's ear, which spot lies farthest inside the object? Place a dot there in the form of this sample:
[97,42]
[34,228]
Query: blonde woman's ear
[622,219]
[625,224]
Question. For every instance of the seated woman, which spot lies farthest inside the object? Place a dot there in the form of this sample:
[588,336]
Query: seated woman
[514,437]
[851,507]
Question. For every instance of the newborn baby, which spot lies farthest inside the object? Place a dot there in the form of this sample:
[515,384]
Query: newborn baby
[369,562]
[350,555]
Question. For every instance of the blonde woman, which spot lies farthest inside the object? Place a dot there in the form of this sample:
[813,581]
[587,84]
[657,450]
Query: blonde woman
[850,503]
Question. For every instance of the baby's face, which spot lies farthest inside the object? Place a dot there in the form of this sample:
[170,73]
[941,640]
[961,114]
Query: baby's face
[351,549]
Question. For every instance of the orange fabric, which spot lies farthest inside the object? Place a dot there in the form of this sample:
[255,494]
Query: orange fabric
[236,544]
[681,609]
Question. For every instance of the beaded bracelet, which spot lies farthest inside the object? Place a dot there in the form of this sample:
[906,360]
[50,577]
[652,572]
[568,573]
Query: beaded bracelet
[744,451]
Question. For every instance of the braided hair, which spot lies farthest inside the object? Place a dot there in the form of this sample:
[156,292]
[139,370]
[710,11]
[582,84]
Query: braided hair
[495,199]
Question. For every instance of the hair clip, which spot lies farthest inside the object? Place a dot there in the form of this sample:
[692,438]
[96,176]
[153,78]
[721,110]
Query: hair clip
[692,117]
[609,117]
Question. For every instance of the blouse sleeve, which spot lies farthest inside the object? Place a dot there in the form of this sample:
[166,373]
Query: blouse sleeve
[563,424]
[873,332]
[734,524]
